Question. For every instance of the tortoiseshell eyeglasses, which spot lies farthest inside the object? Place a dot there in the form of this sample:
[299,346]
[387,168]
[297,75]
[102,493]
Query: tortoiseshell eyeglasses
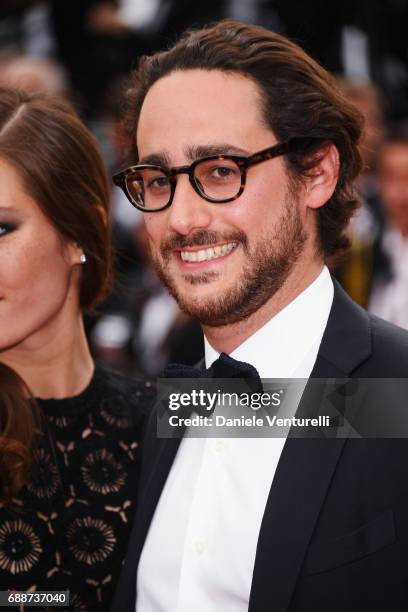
[217,178]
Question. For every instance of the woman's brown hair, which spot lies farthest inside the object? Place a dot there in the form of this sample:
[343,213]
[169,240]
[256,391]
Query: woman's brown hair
[61,168]
[19,423]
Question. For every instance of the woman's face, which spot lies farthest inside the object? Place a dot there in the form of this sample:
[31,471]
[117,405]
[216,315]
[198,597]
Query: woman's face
[39,273]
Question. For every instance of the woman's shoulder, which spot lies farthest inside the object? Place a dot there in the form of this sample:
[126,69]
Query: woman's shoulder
[111,398]
[123,393]
[115,383]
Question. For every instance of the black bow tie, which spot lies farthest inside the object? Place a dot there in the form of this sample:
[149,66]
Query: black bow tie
[223,367]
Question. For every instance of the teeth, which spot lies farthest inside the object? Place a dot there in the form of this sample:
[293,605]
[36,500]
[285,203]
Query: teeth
[209,253]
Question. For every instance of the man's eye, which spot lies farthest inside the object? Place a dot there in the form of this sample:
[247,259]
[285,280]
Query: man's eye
[222,173]
[161,182]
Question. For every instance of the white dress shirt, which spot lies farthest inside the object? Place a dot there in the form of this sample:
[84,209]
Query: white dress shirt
[200,550]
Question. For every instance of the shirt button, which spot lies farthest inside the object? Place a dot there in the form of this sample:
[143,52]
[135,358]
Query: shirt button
[199,547]
[220,445]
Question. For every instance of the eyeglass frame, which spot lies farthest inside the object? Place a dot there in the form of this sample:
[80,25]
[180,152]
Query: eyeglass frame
[243,163]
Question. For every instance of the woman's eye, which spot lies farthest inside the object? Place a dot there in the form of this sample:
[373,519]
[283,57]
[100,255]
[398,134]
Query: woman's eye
[6,228]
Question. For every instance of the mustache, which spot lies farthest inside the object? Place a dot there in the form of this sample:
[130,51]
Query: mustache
[199,238]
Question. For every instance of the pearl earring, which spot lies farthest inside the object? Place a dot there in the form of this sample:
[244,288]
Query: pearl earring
[82,258]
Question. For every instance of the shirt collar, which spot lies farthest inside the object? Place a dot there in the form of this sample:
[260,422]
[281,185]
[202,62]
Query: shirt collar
[279,347]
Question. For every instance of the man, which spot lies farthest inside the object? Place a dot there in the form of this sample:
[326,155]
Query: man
[270,149]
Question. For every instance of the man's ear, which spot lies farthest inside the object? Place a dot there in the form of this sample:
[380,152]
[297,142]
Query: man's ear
[322,179]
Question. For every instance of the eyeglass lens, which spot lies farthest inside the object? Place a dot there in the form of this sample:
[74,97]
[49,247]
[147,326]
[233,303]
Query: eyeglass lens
[218,179]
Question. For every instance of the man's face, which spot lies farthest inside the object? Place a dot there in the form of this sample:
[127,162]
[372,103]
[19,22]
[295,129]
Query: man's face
[393,180]
[221,262]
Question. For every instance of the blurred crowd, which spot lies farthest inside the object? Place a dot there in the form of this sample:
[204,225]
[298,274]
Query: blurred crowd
[84,49]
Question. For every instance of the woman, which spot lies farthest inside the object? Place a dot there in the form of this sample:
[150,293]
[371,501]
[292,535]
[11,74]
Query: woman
[68,459]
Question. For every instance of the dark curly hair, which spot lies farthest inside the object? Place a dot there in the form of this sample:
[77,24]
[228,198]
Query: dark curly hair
[299,99]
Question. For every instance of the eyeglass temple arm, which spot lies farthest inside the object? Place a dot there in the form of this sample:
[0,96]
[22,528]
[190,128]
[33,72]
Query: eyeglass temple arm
[289,146]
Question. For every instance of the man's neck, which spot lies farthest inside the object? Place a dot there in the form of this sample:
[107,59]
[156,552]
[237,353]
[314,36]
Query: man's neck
[229,337]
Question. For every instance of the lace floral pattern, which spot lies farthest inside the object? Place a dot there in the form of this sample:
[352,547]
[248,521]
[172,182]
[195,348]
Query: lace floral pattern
[45,476]
[69,527]
[90,540]
[101,473]
[20,547]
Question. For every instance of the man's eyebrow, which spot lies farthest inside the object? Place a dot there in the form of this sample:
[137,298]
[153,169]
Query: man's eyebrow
[194,152]
[156,159]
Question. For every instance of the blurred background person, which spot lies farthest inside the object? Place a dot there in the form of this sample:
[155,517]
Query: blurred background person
[68,458]
[368,99]
[389,294]
[34,75]
[355,269]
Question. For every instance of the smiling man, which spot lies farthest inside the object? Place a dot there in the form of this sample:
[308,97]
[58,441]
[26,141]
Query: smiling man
[223,264]
[245,155]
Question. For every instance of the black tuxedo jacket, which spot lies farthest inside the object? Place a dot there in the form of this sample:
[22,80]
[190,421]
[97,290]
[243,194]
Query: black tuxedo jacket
[334,535]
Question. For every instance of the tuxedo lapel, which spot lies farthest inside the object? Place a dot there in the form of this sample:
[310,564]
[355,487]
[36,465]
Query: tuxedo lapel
[305,469]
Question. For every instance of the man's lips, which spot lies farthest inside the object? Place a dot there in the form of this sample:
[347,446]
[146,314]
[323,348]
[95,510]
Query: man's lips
[205,253]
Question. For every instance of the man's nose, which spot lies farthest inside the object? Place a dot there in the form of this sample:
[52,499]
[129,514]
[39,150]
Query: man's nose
[188,211]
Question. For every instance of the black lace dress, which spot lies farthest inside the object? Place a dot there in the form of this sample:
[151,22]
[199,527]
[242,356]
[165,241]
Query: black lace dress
[68,528]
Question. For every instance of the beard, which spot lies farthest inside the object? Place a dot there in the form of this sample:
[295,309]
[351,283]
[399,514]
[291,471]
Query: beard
[269,262]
